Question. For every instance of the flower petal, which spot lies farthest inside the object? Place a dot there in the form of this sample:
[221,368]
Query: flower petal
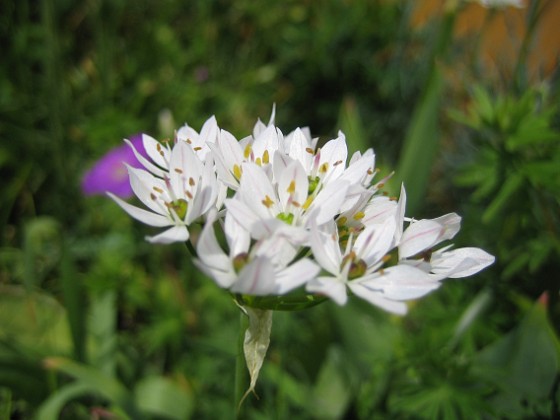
[296,275]
[141,215]
[178,233]
[401,282]
[462,262]
[332,287]
[418,237]
[256,278]
[329,200]
[378,299]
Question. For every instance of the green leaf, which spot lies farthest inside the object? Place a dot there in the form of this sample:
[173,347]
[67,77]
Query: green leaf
[420,145]
[511,186]
[97,381]
[162,397]
[332,392]
[351,125]
[51,408]
[523,364]
[34,321]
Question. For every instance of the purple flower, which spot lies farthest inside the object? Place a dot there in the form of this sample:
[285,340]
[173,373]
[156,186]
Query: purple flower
[110,174]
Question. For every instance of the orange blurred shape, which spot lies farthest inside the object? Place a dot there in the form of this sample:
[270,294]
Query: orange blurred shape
[503,31]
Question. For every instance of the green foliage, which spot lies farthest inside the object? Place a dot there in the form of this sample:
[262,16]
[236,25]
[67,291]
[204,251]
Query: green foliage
[515,179]
[95,322]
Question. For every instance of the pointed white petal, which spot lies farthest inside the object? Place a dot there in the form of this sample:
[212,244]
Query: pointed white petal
[209,131]
[378,299]
[242,213]
[334,153]
[184,168]
[401,282]
[237,236]
[399,215]
[451,225]
[299,149]
[296,275]
[378,210]
[326,250]
[256,278]
[145,162]
[177,233]
[224,279]
[155,151]
[462,262]
[142,183]
[210,252]
[255,187]
[375,241]
[328,201]
[293,176]
[141,215]
[332,287]
[418,237]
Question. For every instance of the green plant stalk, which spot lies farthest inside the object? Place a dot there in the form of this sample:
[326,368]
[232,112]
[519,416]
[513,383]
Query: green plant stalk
[241,382]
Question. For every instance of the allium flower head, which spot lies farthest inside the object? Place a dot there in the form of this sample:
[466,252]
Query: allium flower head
[296,216]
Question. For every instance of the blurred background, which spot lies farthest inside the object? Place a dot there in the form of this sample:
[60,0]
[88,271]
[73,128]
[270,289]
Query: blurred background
[459,99]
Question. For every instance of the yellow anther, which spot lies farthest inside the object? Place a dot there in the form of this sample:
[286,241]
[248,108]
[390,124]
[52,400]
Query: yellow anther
[296,204]
[188,194]
[292,187]
[342,221]
[267,202]
[324,168]
[153,196]
[197,148]
[179,171]
[258,161]
[338,162]
[309,150]
[237,171]
[191,181]
[247,151]
[393,199]
[386,258]
[359,216]
[370,171]
[159,190]
[307,202]
[189,141]
[266,157]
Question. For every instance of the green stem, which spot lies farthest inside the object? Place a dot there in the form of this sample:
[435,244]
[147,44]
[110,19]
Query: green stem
[241,382]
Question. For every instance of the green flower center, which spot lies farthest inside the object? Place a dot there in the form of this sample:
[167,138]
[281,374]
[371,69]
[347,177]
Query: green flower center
[286,217]
[313,184]
[358,267]
[180,208]
[239,261]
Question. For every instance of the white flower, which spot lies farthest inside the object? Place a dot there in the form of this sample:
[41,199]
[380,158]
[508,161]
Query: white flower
[177,197]
[200,142]
[264,207]
[265,268]
[423,235]
[359,269]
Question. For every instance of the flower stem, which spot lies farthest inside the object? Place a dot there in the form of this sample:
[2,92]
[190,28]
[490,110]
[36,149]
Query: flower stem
[241,382]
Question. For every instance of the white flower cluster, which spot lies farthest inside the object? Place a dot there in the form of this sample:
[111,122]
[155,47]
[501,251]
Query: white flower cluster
[293,215]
